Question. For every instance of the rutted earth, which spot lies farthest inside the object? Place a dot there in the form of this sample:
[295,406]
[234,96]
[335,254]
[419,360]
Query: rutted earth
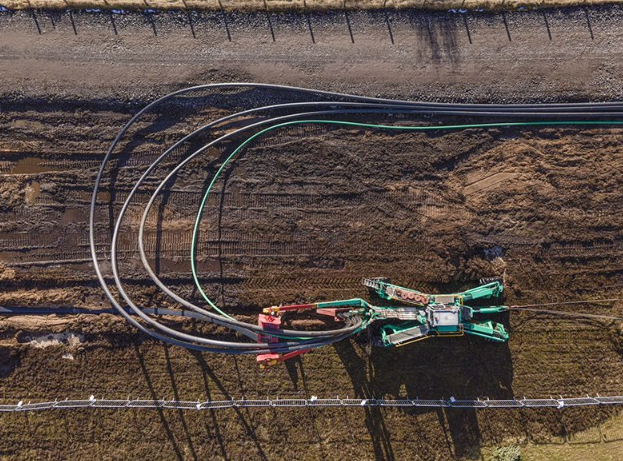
[433,211]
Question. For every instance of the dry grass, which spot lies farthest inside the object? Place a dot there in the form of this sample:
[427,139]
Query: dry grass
[602,443]
[120,365]
[295,5]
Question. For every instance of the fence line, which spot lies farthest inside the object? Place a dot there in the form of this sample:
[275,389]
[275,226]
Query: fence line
[314,402]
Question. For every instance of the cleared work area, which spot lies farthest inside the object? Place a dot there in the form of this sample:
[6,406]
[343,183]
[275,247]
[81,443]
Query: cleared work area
[301,217]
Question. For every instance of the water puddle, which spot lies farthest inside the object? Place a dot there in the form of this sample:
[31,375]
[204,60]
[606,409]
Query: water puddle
[31,165]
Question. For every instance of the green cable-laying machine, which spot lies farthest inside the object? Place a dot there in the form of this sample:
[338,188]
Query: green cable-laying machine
[417,317]
[435,315]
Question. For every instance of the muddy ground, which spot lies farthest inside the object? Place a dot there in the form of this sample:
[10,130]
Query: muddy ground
[304,215]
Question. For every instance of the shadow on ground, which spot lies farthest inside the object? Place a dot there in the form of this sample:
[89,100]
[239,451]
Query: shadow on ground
[463,368]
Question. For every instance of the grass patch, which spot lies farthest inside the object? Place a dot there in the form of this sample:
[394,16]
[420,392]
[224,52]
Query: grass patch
[600,443]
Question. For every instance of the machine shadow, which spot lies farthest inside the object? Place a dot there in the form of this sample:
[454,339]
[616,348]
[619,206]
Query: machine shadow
[463,368]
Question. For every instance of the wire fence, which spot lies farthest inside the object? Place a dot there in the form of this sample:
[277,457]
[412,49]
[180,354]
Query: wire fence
[313,402]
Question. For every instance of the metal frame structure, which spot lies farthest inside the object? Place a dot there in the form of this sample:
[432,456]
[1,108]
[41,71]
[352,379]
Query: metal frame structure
[313,402]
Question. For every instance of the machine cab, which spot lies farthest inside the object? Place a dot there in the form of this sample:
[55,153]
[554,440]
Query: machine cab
[444,319]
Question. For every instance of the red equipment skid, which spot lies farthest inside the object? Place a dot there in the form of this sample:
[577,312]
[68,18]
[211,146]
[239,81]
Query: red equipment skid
[268,322]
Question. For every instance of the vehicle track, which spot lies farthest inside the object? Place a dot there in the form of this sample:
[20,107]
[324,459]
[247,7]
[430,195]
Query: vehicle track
[336,105]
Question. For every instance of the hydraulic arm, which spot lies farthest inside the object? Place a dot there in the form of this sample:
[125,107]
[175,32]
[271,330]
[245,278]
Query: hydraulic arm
[437,314]
[423,316]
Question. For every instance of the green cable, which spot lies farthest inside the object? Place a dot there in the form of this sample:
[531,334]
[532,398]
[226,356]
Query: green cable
[193,248]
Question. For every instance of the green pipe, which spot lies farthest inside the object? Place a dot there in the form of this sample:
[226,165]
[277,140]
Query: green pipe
[359,125]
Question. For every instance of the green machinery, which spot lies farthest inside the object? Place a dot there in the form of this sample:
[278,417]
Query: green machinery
[435,315]
[414,316]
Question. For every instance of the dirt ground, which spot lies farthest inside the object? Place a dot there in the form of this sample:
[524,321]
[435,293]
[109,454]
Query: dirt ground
[432,211]
[294,5]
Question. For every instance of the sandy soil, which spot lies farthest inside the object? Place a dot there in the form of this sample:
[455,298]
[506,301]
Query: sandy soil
[435,212]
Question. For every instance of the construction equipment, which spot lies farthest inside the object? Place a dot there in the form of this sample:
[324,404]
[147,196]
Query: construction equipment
[423,316]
